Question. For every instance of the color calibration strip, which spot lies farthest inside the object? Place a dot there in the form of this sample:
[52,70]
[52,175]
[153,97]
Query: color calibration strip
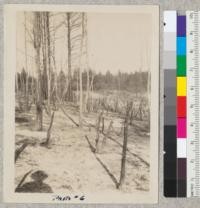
[182,104]
[170,119]
[193,104]
[181,128]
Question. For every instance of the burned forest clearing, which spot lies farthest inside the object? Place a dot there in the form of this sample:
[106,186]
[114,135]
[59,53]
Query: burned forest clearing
[71,159]
[78,129]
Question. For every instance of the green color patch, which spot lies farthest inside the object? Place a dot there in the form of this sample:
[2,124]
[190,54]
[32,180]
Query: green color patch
[181,66]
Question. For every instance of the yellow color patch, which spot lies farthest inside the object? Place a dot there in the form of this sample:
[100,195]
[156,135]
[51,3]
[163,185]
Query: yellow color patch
[181,86]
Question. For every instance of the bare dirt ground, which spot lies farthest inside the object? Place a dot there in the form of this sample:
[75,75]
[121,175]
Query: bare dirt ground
[69,161]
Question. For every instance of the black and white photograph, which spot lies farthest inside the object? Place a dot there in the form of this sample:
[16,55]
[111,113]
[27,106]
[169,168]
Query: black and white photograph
[81,104]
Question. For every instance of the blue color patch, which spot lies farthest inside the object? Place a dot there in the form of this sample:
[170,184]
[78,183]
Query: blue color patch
[181,46]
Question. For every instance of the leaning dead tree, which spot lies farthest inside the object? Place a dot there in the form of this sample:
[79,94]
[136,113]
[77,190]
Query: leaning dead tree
[98,125]
[124,149]
[37,37]
[20,150]
[46,143]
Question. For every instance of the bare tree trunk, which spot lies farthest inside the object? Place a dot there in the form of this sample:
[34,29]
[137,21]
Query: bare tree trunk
[123,161]
[81,98]
[91,89]
[98,132]
[49,62]
[46,143]
[16,84]
[102,127]
[69,94]
[88,70]
[148,96]
[87,93]
[80,74]
[77,88]
[26,65]
[54,93]
[33,88]
[107,134]
[39,108]
[44,55]
[37,46]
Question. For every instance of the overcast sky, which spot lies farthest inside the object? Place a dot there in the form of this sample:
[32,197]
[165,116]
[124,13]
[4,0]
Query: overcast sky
[115,42]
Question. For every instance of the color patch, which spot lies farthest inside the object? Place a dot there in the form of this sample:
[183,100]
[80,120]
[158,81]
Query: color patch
[181,86]
[181,46]
[181,128]
[181,25]
[181,65]
[170,21]
[181,106]
[170,41]
[169,60]
[181,148]
[182,168]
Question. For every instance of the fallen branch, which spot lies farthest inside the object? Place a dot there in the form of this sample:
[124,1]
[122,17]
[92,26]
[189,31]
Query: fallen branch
[71,119]
[135,155]
[101,163]
[90,145]
[20,150]
[22,180]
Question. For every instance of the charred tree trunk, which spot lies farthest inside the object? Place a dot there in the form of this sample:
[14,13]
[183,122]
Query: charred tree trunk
[39,107]
[54,71]
[80,73]
[49,61]
[77,87]
[87,102]
[107,134]
[98,132]
[124,149]
[16,84]
[26,66]
[44,56]
[149,97]
[102,127]
[37,45]
[46,143]
[91,89]
[69,93]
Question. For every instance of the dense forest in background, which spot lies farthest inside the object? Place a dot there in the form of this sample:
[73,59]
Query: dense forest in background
[131,82]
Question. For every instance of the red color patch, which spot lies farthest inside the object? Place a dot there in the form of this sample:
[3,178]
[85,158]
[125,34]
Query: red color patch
[181,106]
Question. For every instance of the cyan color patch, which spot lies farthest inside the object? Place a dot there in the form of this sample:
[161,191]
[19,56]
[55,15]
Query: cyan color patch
[181,45]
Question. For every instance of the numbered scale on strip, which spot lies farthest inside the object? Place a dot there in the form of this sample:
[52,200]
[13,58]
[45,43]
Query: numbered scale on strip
[193,103]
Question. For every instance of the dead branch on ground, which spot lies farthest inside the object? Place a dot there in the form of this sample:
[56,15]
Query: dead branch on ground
[20,150]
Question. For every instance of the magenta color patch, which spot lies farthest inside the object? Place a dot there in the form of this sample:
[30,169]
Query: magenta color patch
[181,128]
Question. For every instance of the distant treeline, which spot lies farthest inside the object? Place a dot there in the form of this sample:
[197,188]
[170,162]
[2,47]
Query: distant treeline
[133,82]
